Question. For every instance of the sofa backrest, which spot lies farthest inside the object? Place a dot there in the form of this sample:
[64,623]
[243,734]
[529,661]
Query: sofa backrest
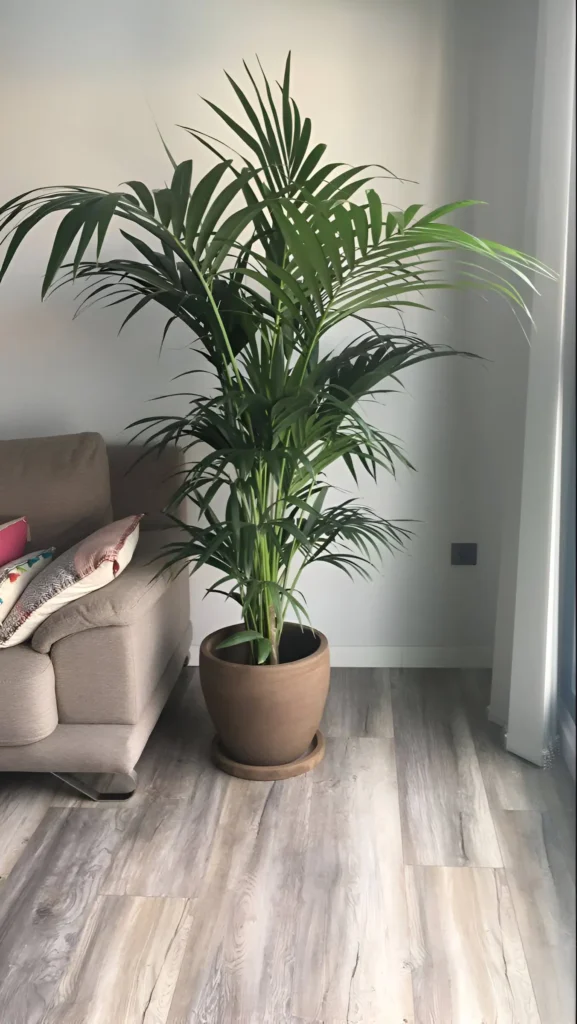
[145,484]
[70,485]
[61,484]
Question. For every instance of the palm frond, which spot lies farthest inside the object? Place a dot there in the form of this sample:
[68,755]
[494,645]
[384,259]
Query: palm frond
[260,258]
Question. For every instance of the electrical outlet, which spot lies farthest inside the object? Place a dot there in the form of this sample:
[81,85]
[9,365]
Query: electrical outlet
[463,554]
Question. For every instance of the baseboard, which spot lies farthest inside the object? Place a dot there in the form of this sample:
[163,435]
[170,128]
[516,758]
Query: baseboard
[402,657]
[496,719]
[568,746]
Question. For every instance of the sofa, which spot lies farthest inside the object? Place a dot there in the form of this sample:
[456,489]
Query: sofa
[82,696]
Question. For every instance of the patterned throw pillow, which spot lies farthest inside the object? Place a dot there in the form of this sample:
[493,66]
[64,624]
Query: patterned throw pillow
[13,537]
[16,575]
[87,566]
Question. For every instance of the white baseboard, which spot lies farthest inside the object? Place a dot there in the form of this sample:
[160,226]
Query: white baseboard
[496,719]
[402,657]
[568,746]
[411,657]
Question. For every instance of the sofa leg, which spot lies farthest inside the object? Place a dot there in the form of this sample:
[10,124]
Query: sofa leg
[101,787]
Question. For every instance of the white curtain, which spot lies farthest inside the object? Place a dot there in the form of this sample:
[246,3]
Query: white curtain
[566,674]
[524,695]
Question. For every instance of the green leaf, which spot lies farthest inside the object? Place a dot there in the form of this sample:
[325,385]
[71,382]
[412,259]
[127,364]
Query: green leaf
[106,210]
[300,252]
[225,237]
[443,211]
[144,194]
[285,296]
[180,189]
[65,235]
[411,212]
[200,199]
[166,149]
[271,154]
[25,226]
[239,130]
[396,218]
[343,221]
[90,221]
[286,106]
[217,208]
[163,264]
[136,309]
[311,245]
[320,175]
[361,227]
[163,200]
[335,184]
[314,157]
[290,527]
[264,648]
[376,215]
[301,147]
[273,110]
[296,131]
[239,638]
[348,191]
[330,243]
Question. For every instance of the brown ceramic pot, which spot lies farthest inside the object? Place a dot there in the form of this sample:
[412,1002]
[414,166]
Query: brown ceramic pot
[266,714]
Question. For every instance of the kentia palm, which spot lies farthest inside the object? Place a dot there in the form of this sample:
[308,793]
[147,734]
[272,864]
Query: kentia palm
[261,258]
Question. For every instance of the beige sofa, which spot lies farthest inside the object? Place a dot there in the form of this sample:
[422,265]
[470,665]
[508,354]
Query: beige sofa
[82,696]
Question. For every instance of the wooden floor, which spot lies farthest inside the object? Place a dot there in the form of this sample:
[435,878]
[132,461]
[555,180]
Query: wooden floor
[419,875]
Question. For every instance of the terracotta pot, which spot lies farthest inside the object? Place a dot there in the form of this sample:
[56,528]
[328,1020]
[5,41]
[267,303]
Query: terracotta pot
[266,714]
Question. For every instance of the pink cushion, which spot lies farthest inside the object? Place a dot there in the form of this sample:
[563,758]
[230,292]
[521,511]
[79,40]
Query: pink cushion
[86,567]
[13,537]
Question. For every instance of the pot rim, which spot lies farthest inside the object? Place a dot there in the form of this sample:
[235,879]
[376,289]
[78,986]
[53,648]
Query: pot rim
[206,650]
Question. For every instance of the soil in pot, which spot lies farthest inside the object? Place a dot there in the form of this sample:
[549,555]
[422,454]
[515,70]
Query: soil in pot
[266,714]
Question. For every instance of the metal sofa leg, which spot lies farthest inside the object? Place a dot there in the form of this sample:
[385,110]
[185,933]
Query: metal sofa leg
[101,787]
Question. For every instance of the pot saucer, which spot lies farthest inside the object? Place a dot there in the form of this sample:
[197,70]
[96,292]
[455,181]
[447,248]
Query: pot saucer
[270,772]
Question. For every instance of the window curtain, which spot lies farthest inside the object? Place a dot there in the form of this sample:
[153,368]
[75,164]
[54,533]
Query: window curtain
[533,619]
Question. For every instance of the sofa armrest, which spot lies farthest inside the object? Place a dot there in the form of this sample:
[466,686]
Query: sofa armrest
[120,603]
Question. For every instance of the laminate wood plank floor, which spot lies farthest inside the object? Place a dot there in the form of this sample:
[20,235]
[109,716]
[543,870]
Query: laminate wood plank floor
[24,801]
[445,813]
[46,902]
[534,814]
[419,875]
[467,957]
[126,939]
[359,704]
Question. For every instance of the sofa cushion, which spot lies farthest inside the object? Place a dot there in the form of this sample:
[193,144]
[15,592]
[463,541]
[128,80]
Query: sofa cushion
[146,484]
[61,484]
[16,575]
[97,748]
[109,674]
[28,709]
[120,603]
[13,539]
[83,569]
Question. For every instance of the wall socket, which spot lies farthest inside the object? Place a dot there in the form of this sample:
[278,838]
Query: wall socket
[463,554]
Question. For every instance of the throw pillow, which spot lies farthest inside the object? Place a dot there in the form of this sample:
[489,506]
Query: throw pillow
[16,575]
[13,537]
[87,566]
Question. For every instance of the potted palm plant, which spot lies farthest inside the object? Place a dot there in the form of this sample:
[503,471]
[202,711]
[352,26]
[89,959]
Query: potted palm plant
[261,258]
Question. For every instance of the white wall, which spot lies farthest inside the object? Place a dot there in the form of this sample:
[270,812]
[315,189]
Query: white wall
[394,81]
